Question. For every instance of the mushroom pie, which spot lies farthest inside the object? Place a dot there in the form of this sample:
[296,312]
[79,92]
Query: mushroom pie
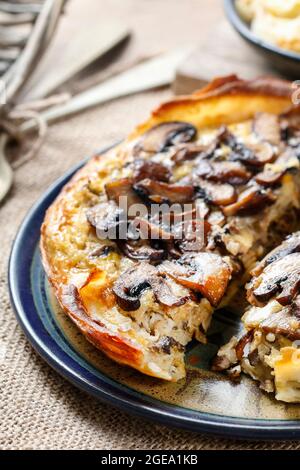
[269,349]
[147,240]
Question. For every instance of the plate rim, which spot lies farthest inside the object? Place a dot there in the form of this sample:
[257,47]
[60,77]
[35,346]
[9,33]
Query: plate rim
[164,413]
[241,27]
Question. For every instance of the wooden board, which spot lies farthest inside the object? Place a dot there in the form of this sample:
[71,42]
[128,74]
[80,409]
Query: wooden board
[223,53]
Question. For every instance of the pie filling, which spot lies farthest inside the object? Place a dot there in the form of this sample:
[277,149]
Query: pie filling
[268,351]
[238,187]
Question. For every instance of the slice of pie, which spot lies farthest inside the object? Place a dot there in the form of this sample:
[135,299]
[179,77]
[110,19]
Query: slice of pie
[269,350]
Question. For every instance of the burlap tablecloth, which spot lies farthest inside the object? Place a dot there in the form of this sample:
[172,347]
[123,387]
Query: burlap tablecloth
[39,409]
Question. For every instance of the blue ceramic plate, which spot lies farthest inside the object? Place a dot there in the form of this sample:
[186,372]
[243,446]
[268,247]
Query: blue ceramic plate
[287,62]
[204,402]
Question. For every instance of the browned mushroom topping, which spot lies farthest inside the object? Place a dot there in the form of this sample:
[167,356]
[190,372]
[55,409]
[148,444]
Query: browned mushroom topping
[184,152]
[122,188]
[255,155]
[191,235]
[192,151]
[134,281]
[225,172]
[143,169]
[141,250]
[150,230]
[106,217]
[263,153]
[218,194]
[269,178]
[267,127]
[131,284]
[289,246]
[251,201]
[160,192]
[286,322]
[252,155]
[206,273]
[167,293]
[280,279]
[164,135]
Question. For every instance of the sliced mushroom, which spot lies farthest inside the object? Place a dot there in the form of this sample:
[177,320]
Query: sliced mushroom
[267,127]
[269,177]
[285,322]
[233,173]
[217,194]
[191,151]
[287,162]
[141,250]
[281,280]
[287,247]
[160,192]
[164,135]
[107,218]
[254,155]
[250,202]
[168,293]
[150,230]
[131,284]
[206,273]
[191,235]
[262,152]
[134,281]
[122,188]
[144,169]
